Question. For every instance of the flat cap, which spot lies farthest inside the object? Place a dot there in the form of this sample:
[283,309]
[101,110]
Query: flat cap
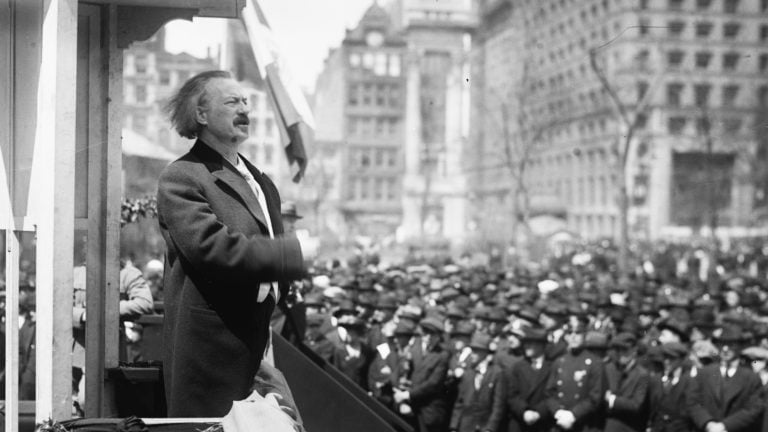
[674,349]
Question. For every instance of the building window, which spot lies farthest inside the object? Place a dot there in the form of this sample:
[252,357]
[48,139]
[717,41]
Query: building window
[703,59]
[391,190]
[394,96]
[675,58]
[352,96]
[763,62]
[381,97]
[674,92]
[730,61]
[380,126]
[367,94]
[268,153]
[352,125]
[394,65]
[381,64]
[392,158]
[763,33]
[762,97]
[368,60]
[731,30]
[165,78]
[354,60]
[730,93]
[141,93]
[642,58]
[269,127]
[731,6]
[643,26]
[255,100]
[763,5]
[675,5]
[365,159]
[703,125]
[643,4]
[676,28]
[676,125]
[253,128]
[703,4]
[640,121]
[732,126]
[642,89]
[392,123]
[701,94]
[703,29]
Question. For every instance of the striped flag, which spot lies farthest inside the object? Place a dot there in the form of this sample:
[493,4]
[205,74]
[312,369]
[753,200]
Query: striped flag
[293,116]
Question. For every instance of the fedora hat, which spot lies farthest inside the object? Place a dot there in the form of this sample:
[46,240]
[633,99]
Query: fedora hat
[481,341]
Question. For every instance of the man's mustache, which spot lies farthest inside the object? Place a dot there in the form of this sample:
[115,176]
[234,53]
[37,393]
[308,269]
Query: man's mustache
[242,120]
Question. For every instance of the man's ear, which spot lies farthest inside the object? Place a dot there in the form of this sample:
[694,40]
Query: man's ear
[201,115]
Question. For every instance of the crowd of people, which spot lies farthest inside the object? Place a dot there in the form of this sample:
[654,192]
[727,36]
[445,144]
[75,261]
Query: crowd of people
[569,346]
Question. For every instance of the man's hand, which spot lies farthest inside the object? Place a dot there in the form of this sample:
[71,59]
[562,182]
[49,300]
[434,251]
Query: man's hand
[610,398]
[715,427]
[565,419]
[530,417]
[401,395]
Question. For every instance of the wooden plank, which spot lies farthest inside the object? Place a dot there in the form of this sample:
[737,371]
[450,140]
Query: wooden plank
[12,330]
[6,117]
[52,205]
[90,109]
[206,8]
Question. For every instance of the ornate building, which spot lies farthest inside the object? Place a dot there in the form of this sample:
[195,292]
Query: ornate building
[694,73]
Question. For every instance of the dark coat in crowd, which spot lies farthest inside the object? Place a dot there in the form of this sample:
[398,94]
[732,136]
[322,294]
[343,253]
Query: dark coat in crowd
[629,412]
[27,360]
[355,367]
[218,252]
[428,392]
[526,390]
[384,373]
[577,384]
[322,347]
[735,401]
[479,409]
[669,403]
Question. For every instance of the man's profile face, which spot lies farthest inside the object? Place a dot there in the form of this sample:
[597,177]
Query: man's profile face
[225,113]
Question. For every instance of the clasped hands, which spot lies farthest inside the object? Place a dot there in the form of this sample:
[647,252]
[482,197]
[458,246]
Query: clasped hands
[565,419]
[715,427]
[401,395]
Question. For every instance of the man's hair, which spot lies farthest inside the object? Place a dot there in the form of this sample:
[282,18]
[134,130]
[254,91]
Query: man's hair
[182,107]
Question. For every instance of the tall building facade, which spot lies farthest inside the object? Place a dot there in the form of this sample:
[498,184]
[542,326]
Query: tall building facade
[694,75]
[437,107]
[359,108]
[150,75]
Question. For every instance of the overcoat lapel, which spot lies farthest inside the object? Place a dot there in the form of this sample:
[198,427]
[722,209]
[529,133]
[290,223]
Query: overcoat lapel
[228,175]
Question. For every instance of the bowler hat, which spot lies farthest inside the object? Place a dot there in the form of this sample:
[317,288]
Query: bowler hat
[288,209]
[345,307]
[595,340]
[528,313]
[729,334]
[497,315]
[755,353]
[456,312]
[463,328]
[623,341]
[348,321]
[481,341]
[533,334]
[405,328]
[674,349]
[432,325]
[315,320]
[675,326]
[386,303]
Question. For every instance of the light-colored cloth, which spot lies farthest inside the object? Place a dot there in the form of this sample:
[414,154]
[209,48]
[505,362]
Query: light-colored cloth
[264,287]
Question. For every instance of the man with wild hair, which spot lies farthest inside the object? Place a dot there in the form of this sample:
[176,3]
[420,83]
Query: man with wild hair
[227,258]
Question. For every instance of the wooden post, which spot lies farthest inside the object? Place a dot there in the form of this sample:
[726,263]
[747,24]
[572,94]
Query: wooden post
[52,207]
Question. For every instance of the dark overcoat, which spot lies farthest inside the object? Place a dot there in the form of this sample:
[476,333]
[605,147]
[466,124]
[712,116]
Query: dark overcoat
[526,390]
[629,412]
[669,405]
[735,401]
[577,384]
[479,409]
[218,252]
[428,386]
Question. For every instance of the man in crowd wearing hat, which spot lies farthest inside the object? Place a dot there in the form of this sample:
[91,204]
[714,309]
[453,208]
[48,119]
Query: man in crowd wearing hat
[315,339]
[480,402]
[388,365]
[289,215]
[384,314]
[526,384]
[669,391]
[726,396]
[426,394]
[628,384]
[576,387]
[354,356]
[758,358]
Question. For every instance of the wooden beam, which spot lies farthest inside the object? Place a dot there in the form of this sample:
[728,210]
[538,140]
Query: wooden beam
[52,207]
[203,8]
